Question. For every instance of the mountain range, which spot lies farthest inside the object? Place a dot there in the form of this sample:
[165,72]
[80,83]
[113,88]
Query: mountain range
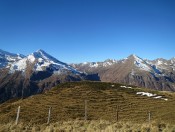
[22,76]
[156,74]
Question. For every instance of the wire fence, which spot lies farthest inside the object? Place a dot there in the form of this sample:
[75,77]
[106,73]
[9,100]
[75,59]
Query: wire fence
[117,115]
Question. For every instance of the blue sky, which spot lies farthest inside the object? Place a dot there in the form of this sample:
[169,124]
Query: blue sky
[89,30]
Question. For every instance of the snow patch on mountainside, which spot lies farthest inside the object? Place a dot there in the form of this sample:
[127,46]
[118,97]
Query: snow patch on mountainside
[159,62]
[125,87]
[7,58]
[155,96]
[19,65]
[94,64]
[109,62]
[106,63]
[31,58]
[146,94]
[141,64]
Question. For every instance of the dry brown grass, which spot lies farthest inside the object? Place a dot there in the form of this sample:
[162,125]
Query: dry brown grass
[67,102]
[88,126]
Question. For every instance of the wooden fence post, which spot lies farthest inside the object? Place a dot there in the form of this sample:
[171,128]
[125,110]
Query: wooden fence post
[85,110]
[48,120]
[149,117]
[117,113]
[149,121]
[17,116]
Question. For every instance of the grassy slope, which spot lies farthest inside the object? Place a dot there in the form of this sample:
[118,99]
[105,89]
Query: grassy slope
[67,102]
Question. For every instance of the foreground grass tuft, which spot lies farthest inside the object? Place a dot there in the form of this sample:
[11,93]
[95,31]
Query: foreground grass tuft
[89,126]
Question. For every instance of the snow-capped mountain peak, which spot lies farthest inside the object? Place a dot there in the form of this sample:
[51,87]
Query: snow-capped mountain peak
[41,54]
[139,62]
[134,56]
[41,61]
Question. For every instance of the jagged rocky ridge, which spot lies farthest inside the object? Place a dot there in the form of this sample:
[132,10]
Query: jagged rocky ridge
[22,76]
[156,74]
